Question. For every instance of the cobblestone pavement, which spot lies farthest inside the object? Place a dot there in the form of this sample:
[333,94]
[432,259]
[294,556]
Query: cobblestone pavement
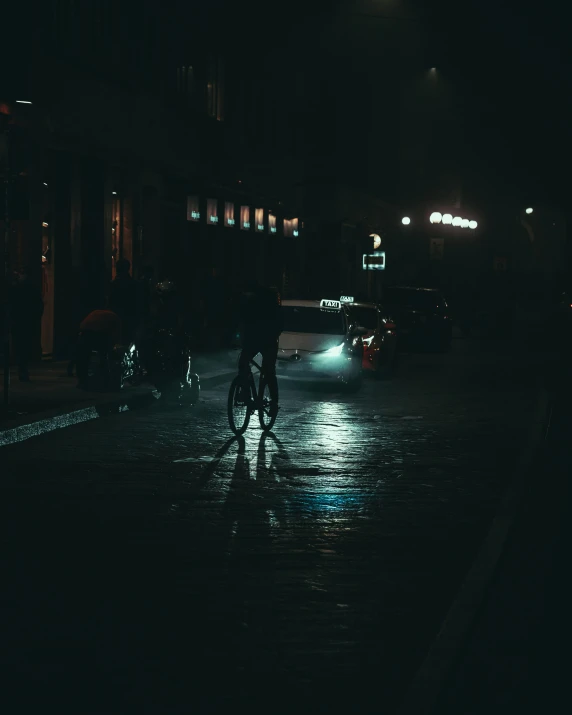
[156,565]
[515,657]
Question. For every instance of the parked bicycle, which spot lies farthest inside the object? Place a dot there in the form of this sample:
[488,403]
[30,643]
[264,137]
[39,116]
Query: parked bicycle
[245,399]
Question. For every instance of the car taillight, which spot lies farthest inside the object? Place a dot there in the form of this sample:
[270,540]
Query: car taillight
[389,325]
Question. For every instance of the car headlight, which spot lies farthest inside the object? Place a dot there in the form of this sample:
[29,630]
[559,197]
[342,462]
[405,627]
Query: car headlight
[335,352]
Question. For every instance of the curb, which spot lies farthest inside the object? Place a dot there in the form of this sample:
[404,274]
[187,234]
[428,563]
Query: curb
[67,417]
[429,680]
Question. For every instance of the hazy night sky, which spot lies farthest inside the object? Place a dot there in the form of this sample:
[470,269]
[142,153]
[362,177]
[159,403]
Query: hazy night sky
[508,64]
[512,64]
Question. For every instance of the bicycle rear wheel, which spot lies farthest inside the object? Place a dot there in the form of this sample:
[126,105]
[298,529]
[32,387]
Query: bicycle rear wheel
[267,419]
[238,412]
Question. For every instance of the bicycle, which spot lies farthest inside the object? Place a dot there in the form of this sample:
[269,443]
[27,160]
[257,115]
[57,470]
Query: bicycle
[240,412]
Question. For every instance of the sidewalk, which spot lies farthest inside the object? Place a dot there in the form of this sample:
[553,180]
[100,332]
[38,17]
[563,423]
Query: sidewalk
[51,399]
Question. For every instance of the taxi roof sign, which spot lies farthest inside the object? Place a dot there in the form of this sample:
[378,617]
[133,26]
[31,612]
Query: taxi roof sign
[346,299]
[331,304]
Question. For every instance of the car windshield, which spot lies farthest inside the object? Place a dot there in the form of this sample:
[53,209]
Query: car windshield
[414,299]
[366,317]
[299,319]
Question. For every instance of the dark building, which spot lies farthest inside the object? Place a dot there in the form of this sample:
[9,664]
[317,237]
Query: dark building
[140,120]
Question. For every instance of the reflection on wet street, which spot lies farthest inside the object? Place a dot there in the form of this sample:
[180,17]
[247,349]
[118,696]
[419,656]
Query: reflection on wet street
[157,563]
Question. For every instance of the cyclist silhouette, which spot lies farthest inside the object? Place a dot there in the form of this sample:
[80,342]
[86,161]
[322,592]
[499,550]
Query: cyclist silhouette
[261,323]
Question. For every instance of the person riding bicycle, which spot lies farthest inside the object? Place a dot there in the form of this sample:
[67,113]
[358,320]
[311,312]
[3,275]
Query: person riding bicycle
[261,323]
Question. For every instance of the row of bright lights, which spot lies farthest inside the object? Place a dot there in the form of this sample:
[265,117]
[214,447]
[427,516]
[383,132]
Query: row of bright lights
[449,219]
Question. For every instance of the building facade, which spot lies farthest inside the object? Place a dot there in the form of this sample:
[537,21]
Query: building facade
[120,119]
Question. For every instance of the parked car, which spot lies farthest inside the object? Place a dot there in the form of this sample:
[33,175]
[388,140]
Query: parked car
[422,316]
[380,341]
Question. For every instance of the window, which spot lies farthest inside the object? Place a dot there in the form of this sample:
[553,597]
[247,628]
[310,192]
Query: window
[245,218]
[298,319]
[259,219]
[193,212]
[215,89]
[271,223]
[212,211]
[366,317]
[291,227]
[229,214]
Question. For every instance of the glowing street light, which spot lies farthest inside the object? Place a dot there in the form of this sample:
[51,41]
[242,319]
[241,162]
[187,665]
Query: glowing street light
[529,210]
[406,220]
[450,220]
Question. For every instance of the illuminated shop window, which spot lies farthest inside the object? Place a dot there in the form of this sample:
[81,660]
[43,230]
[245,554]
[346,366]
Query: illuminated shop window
[245,218]
[229,214]
[212,212]
[291,227]
[193,212]
[259,220]
[271,223]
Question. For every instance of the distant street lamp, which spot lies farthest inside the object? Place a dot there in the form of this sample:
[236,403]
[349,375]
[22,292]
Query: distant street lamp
[529,210]
[449,220]
[406,220]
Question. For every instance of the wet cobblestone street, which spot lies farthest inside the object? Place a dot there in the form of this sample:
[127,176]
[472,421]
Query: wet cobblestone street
[154,564]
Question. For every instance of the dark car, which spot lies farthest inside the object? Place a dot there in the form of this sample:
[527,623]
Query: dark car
[380,341]
[422,315]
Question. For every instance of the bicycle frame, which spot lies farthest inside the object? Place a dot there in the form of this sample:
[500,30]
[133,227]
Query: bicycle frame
[255,401]
[253,381]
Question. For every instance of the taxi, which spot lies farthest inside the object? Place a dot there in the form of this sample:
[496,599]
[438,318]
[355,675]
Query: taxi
[380,340]
[321,340]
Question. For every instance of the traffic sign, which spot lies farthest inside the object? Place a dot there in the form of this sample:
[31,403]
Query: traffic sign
[374,261]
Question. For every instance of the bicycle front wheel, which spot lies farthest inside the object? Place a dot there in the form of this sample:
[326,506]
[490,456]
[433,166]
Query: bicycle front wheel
[238,411]
[267,419]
